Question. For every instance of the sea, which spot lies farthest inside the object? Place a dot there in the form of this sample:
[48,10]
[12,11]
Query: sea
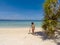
[20,23]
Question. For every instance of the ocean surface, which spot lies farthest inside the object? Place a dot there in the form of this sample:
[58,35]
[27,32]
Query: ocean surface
[20,23]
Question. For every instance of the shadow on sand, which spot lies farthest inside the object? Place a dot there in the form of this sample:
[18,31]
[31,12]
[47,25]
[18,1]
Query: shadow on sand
[57,37]
[44,37]
[42,34]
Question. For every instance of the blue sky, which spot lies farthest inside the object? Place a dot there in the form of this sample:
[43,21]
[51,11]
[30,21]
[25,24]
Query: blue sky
[21,9]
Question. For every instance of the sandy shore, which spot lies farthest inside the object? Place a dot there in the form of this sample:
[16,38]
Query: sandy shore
[20,36]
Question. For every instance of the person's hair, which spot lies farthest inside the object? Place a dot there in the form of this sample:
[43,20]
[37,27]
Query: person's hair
[32,23]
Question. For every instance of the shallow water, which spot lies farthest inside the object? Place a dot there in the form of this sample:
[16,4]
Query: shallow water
[20,23]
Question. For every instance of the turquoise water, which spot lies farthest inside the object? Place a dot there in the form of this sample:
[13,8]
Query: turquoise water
[20,23]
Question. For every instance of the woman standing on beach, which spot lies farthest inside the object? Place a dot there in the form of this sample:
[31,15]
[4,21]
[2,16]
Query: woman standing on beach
[33,27]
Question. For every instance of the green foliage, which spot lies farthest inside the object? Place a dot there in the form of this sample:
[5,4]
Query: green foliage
[58,13]
[50,19]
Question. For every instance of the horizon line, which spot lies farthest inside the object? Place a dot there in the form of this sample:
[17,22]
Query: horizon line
[15,20]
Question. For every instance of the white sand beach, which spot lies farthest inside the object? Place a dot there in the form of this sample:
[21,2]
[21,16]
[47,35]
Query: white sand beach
[20,36]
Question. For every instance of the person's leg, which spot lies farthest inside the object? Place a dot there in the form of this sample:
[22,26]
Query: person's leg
[33,31]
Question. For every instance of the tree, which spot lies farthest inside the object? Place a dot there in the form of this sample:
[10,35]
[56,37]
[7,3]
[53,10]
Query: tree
[51,17]
[58,15]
